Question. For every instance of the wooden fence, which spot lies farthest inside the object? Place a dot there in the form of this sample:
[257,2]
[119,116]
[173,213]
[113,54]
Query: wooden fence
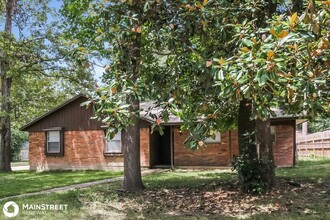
[314,145]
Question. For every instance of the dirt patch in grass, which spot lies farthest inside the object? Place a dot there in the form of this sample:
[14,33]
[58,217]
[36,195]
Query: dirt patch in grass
[297,199]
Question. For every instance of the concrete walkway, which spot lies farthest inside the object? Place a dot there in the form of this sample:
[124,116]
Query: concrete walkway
[18,168]
[81,185]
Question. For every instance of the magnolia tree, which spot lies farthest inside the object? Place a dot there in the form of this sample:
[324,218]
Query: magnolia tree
[209,62]
[155,50]
[285,65]
[280,62]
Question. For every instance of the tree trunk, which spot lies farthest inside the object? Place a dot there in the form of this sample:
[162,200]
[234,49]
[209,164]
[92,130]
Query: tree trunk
[255,165]
[5,132]
[246,128]
[265,150]
[246,141]
[132,164]
[5,129]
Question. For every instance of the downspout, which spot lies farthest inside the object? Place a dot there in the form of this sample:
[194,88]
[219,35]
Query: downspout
[230,151]
[172,147]
[294,142]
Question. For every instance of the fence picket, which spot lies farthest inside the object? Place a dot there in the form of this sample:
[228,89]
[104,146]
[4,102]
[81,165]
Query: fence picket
[314,145]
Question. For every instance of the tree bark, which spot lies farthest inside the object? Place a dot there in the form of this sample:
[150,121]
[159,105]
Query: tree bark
[132,162]
[132,165]
[246,138]
[5,132]
[256,171]
[246,126]
[265,150]
[6,81]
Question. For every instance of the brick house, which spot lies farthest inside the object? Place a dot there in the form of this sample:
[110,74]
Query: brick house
[67,138]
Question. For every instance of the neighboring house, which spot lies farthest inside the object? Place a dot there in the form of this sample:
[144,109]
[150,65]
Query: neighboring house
[67,138]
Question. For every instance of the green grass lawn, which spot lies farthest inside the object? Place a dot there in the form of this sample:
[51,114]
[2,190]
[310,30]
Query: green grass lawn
[307,169]
[301,193]
[20,182]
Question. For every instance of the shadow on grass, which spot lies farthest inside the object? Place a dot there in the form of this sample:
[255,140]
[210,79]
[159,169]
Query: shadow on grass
[181,179]
[16,183]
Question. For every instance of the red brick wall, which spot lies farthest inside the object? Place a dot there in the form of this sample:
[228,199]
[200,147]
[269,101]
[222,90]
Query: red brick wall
[234,143]
[284,147]
[221,154]
[145,146]
[217,154]
[82,150]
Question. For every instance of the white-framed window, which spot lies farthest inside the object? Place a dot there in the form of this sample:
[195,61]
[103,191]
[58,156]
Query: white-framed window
[211,140]
[53,141]
[114,145]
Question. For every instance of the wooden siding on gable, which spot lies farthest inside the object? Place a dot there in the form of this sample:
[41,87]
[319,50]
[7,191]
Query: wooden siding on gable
[71,117]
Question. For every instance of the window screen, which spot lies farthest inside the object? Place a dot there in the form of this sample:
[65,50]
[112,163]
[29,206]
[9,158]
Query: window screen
[114,145]
[53,141]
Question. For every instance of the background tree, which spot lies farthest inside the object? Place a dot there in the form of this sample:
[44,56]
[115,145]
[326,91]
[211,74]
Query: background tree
[320,124]
[5,135]
[34,94]
[29,45]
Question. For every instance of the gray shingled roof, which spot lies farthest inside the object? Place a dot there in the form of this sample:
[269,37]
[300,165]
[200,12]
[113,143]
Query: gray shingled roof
[149,107]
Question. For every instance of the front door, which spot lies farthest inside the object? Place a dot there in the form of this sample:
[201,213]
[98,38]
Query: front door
[161,148]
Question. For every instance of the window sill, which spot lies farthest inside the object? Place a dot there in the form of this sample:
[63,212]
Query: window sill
[217,142]
[113,154]
[54,154]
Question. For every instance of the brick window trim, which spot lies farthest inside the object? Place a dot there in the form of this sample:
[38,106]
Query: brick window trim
[61,153]
[113,154]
